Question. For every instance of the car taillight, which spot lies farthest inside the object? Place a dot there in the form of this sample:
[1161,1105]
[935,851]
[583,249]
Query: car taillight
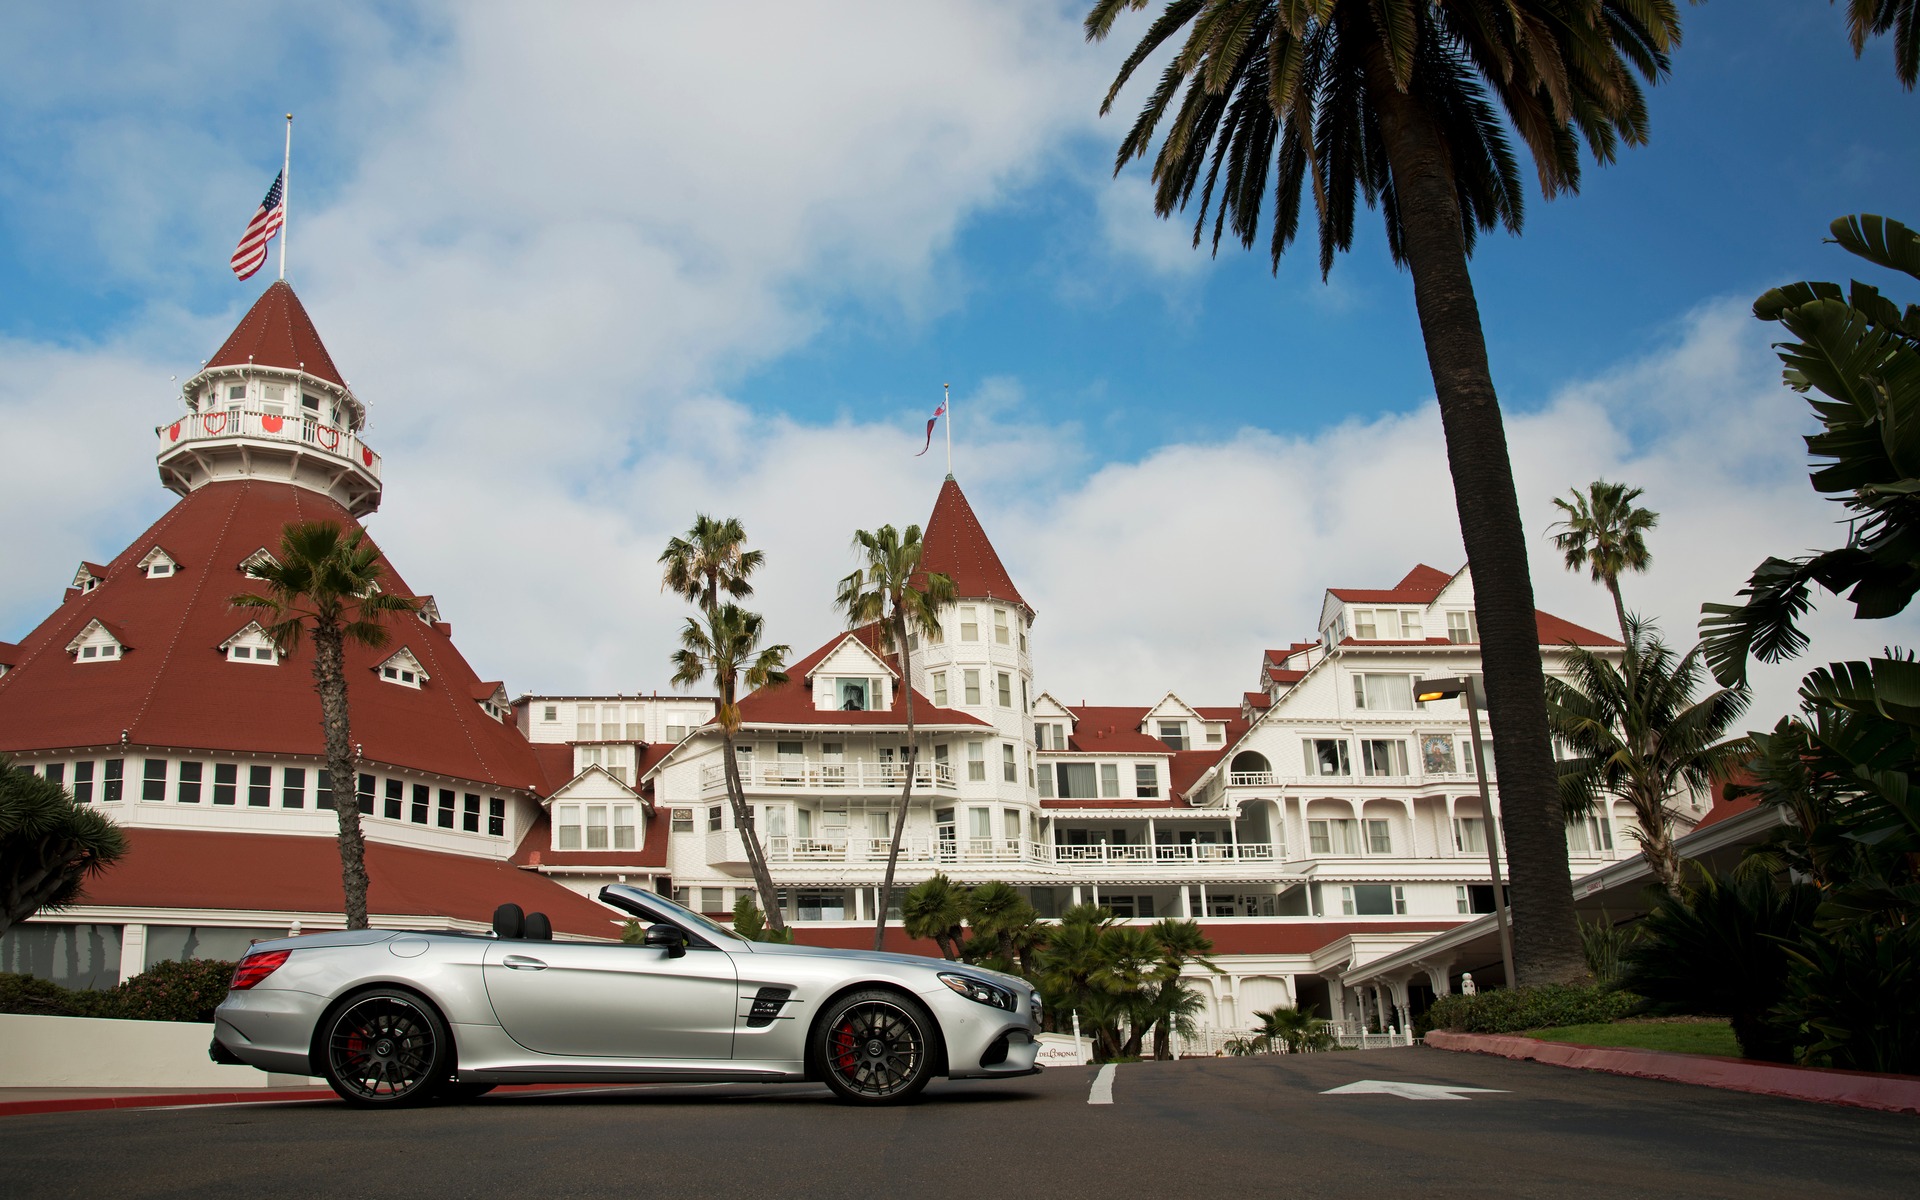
[255,967]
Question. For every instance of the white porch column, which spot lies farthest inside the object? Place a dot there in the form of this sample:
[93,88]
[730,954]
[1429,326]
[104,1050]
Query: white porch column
[859,904]
[133,951]
[1451,850]
[1204,910]
[1186,902]
[1075,897]
[1096,894]
[1150,838]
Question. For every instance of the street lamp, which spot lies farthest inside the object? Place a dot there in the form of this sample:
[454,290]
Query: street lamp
[1468,689]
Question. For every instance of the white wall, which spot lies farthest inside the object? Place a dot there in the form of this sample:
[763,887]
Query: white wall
[85,1052]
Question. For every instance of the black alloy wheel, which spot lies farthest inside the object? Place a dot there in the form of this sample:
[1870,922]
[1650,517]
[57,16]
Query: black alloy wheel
[876,1047]
[385,1049]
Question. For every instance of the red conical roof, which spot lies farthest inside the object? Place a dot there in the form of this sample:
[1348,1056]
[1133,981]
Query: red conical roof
[956,546]
[176,688]
[276,332]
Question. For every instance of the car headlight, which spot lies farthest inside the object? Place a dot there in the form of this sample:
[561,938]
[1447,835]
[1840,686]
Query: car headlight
[979,990]
[1035,1002]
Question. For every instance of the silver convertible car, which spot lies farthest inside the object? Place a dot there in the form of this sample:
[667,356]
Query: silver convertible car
[396,1018]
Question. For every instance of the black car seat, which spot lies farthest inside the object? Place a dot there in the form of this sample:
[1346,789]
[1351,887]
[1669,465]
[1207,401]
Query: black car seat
[509,921]
[538,928]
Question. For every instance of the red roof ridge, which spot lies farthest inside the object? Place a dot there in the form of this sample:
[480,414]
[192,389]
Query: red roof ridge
[277,332]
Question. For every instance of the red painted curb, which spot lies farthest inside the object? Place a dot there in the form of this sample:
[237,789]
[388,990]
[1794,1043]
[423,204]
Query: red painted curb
[22,1108]
[1857,1089]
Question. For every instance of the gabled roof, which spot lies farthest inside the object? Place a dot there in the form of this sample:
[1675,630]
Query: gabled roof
[276,332]
[9,654]
[155,555]
[188,699]
[254,872]
[112,630]
[956,546]
[790,704]
[86,571]
[1257,700]
[1554,631]
[1109,729]
[251,627]
[1420,585]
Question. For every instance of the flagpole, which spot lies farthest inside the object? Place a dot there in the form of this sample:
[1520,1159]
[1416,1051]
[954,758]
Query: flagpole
[947,400]
[286,185]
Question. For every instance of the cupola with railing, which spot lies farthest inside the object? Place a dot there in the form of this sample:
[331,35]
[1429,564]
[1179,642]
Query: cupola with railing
[270,404]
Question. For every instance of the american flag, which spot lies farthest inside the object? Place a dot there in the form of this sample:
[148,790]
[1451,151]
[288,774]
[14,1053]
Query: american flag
[266,222]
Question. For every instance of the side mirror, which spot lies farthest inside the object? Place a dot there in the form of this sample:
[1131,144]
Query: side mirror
[670,938]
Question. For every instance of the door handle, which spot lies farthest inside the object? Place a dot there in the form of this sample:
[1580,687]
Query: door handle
[520,962]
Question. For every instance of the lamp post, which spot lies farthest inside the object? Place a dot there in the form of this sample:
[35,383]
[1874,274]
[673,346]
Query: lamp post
[1465,687]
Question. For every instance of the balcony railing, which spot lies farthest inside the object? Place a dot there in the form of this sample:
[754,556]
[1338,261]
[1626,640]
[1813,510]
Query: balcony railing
[782,849]
[793,776]
[1357,778]
[225,424]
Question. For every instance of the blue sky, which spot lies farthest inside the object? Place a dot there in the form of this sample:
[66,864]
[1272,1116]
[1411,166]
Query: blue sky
[594,268]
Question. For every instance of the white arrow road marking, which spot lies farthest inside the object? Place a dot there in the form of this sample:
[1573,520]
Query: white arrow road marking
[1406,1091]
[1102,1092]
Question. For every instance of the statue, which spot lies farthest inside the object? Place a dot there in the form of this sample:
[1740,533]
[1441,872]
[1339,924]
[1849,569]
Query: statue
[1467,987]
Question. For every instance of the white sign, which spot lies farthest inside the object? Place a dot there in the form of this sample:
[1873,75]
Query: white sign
[1406,1091]
[1063,1050]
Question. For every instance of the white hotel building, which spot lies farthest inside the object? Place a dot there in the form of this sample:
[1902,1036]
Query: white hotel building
[1322,822]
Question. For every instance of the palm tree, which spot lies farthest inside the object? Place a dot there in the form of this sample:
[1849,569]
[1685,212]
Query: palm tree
[1605,532]
[326,584]
[1003,925]
[891,590]
[709,561]
[1181,942]
[49,845]
[1401,101]
[723,644]
[1639,735]
[1902,17]
[1294,1029]
[934,908]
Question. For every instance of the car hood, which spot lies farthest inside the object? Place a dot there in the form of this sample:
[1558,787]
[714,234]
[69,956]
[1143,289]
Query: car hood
[884,956]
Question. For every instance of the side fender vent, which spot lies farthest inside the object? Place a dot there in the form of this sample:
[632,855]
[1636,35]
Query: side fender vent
[767,1003]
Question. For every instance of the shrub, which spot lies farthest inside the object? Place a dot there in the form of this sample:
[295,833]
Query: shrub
[1511,1010]
[171,991]
[1719,948]
[1854,993]
[26,995]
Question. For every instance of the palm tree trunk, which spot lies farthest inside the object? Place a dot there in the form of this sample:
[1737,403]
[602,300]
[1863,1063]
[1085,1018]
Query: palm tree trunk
[885,897]
[750,836]
[1620,613]
[1656,843]
[1546,938]
[330,681]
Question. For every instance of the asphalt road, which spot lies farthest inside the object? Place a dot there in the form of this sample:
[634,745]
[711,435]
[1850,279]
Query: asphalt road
[1206,1127]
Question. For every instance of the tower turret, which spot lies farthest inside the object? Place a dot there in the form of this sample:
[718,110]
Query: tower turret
[271,405]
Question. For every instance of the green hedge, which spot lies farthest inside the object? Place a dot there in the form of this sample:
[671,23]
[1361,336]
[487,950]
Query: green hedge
[1511,1010]
[166,991]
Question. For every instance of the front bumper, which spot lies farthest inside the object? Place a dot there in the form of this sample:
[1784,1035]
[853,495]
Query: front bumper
[984,1041]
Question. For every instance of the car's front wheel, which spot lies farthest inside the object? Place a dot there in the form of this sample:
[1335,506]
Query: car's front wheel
[385,1049]
[876,1047]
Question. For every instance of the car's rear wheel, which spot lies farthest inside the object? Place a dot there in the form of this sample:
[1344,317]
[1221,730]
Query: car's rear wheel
[385,1048]
[876,1047]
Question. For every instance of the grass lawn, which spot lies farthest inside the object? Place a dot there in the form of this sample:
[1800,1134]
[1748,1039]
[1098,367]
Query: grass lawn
[1683,1037]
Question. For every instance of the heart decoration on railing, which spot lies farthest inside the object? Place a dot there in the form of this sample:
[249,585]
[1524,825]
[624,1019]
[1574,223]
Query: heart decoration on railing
[174,433]
[325,432]
[214,423]
[271,424]
[366,456]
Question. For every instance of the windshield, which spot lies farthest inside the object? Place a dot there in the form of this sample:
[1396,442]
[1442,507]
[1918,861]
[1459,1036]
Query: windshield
[658,906]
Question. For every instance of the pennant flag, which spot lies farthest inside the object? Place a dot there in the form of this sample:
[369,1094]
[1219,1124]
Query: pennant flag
[272,213]
[931,422]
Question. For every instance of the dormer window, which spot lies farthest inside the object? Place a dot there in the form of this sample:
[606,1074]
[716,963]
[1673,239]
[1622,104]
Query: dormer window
[96,643]
[404,669]
[853,695]
[425,608]
[88,577]
[251,645]
[262,558]
[1387,624]
[158,564]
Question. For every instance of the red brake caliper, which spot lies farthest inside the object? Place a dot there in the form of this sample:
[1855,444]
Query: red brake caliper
[843,1046]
